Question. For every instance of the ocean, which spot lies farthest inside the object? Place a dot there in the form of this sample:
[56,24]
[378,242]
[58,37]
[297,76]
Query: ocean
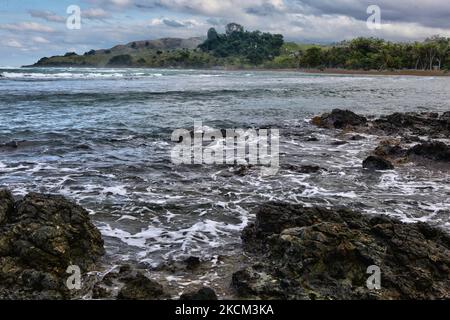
[102,137]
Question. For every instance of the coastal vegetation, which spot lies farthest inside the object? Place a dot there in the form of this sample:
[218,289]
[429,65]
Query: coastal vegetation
[238,48]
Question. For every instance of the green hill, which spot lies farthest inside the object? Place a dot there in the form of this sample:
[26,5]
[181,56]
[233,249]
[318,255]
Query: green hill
[150,53]
[239,48]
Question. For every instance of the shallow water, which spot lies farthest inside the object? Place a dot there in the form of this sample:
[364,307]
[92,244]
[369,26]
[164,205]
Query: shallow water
[102,138]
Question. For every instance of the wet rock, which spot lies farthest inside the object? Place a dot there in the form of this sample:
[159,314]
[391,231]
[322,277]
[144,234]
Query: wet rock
[10,145]
[6,205]
[377,163]
[445,115]
[192,263]
[311,139]
[386,149]
[318,253]
[339,119]
[206,294]
[338,143]
[254,282]
[141,288]
[357,137]
[305,168]
[242,170]
[40,238]
[435,150]
[411,123]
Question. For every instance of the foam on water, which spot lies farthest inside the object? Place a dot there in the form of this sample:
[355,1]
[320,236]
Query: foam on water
[106,144]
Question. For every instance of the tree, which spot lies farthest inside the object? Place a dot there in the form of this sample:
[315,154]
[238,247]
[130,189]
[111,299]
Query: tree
[123,60]
[251,47]
[312,57]
[233,27]
[212,35]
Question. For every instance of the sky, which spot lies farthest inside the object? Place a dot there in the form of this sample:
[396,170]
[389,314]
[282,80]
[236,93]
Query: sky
[31,29]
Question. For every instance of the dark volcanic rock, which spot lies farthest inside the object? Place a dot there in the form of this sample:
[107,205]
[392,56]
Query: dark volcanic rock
[127,282]
[205,293]
[6,205]
[339,119]
[437,151]
[317,253]
[192,262]
[11,144]
[141,288]
[40,238]
[445,115]
[387,149]
[305,168]
[377,163]
[423,124]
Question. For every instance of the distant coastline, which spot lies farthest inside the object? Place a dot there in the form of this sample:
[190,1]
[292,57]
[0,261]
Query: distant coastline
[239,49]
[330,71]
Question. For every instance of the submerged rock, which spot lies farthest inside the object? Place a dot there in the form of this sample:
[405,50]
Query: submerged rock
[305,168]
[434,150]
[317,253]
[339,119]
[140,288]
[127,282]
[377,163]
[40,237]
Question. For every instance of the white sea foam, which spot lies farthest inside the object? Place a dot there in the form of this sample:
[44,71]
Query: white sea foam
[75,75]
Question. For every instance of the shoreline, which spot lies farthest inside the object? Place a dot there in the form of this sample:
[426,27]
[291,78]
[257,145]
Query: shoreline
[327,71]
[318,252]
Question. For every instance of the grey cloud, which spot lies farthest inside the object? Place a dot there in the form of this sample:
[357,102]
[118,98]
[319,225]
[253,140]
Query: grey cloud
[431,13]
[173,23]
[46,15]
[217,22]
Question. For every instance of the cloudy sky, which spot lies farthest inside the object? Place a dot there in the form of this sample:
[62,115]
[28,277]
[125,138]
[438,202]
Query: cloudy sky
[32,29]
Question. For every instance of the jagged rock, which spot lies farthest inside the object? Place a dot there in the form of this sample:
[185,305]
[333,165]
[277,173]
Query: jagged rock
[434,150]
[192,262]
[206,294]
[305,168]
[338,143]
[445,115]
[311,139]
[127,282]
[386,149]
[339,119]
[377,163]
[40,238]
[6,205]
[11,144]
[357,137]
[141,288]
[421,124]
[317,253]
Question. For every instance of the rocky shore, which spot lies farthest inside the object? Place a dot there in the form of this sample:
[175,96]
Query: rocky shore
[40,238]
[291,251]
[296,253]
[419,138]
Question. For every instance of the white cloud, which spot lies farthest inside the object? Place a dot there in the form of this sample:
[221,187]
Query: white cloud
[95,14]
[41,40]
[12,43]
[174,23]
[47,15]
[26,26]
